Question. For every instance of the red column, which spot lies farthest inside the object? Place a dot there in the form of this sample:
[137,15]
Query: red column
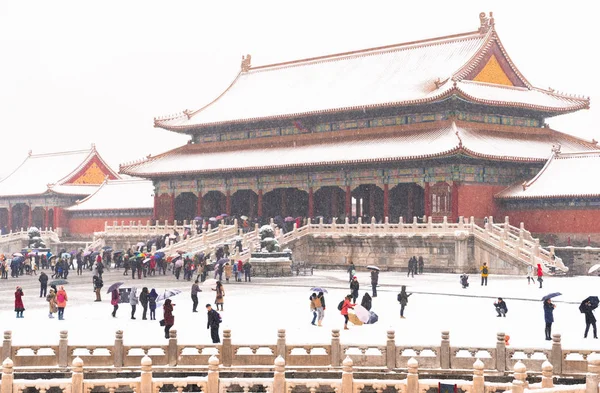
[57,217]
[46,217]
[386,201]
[10,221]
[199,205]
[427,196]
[311,203]
[259,203]
[228,202]
[172,210]
[348,207]
[454,201]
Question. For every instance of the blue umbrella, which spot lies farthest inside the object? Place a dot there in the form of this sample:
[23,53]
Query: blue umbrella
[551,295]
[318,289]
[159,255]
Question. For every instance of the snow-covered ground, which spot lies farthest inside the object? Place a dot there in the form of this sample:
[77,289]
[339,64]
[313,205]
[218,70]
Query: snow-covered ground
[254,311]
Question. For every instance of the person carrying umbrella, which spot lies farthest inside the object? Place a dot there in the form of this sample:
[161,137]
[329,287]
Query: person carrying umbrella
[313,308]
[114,300]
[587,308]
[549,317]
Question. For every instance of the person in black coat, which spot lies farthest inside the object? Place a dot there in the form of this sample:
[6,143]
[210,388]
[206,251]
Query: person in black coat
[354,286]
[213,322]
[590,319]
[501,308]
[374,281]
[43,279]
[366,301]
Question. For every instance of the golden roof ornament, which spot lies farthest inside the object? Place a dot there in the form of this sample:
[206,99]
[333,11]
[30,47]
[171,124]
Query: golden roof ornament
[246,65]
[486,22]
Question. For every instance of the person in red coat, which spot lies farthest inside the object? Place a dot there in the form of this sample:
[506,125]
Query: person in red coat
[19,308]
[347,305]
[540,273]
[168,316]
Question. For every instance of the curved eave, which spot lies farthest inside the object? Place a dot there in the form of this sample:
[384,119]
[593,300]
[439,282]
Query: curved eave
[108,210]
[454,91]
[129,170]
[532,197]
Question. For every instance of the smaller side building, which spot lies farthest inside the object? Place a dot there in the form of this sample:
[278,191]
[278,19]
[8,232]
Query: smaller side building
[115,200]
[561,204]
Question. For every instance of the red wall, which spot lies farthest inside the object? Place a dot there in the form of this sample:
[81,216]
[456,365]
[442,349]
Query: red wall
[89,225]
[477,200]
[557,221]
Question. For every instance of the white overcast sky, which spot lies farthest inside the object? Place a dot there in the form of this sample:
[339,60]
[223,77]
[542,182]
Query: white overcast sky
[74,73]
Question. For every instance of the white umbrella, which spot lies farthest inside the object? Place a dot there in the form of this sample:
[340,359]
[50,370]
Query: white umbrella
[371,267]
[209,283]
[17,254]
[594,268]
[362,313]
[167,294]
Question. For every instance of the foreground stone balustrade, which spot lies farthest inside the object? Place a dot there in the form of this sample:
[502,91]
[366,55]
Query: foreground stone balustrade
[390,356]
[213,383]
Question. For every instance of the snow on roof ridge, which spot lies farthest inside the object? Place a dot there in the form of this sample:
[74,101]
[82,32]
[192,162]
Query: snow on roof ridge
[578,154]
[370,51]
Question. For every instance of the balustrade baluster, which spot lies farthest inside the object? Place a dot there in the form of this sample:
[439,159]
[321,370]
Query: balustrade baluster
[7,376]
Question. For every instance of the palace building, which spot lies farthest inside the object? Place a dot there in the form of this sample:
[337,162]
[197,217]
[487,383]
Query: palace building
[436,127]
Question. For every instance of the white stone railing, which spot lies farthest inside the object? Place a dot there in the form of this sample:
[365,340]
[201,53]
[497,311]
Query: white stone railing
[139,228]
[471,380]
[503,237]
[47,233]
[319,356]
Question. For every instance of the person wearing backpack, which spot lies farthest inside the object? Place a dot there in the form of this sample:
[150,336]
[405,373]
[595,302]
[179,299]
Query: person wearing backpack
[343,307]
[213,322]
[484,274]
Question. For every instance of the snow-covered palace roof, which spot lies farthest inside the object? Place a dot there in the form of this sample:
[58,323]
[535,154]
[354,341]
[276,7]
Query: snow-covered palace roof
[417,141]
[123,194]
[473,66]
[565,175]
[76,172]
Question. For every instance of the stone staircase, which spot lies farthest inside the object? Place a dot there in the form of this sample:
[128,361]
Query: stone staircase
[15,241]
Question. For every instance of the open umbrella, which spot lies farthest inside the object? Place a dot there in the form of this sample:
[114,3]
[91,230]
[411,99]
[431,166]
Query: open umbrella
[60,281]
[371,267]
[118,252]
[32,254]
[362,313]
[219,217]
[224,215]
[65,255]
[85,254]
[551,295]
[179,263]
[106,248]
[593,300]
[244,217]
[212,219]
[17,254]
[146,260]
[198,218]
[289,219]
[222,261]
[114,286]
[594,268]
[140,244]
[159,255]
[167,294]
[318,289]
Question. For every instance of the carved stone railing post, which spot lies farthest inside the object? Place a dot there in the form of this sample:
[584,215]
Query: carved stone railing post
[445,351]
[146,375]
[118,352]
[172,350]
[7,345]
[412,379]
[478,379]
[77,376]
[7,376]
[391,350]
[281,346]
[227,349]
[547,377]
[63,349]
[279,376]
[592,377]
[347,377]
[336,348]
[500,352]
[521,373]
[556,355]
[212,384]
